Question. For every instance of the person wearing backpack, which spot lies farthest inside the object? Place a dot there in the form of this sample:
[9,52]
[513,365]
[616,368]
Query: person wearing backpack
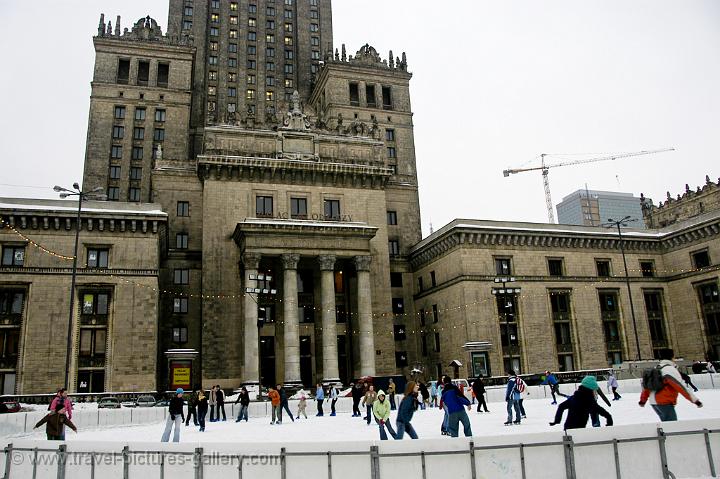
[513,396]
[661,386]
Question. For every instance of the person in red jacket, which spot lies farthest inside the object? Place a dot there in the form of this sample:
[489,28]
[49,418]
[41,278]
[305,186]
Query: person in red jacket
[664,400]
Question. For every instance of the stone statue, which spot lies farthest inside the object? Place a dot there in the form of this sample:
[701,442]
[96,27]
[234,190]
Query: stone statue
[159,152]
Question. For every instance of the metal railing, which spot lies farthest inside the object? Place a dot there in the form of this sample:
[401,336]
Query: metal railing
[200,458]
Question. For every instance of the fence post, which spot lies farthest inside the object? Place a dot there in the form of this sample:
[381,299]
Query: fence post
[522,461]
[374,462]
[329,457]
[126,462]
[473,472]
[8,460]
[663,455]
[711,462]
[283,464]
[62,458]
[569,457]
[422,460]
[616,453]
[198,462]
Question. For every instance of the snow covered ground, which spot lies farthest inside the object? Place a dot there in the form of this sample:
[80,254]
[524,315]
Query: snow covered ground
[343,427]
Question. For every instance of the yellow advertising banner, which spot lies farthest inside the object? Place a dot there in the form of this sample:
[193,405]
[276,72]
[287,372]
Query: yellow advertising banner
[181,376]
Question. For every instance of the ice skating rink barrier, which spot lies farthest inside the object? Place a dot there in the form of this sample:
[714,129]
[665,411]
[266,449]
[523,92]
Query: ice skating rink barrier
[683,449]
[23,422]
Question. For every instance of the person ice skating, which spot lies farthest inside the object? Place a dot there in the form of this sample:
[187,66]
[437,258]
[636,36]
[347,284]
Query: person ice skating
[381,413]
[333,398]
[433,393]
[62,398]
[176,416]
[55,422]
[613,384]
[438,391]
[406,409]
[581,406]
[710,367]
[192,409]
[368,400]
[391,394]
[512,397]
[320,398]
[423,396]
[244,400]
[455,401]
[212,401]
[357,394]
[478,387]
[686,379]
[302,404]
[276,407]
[663,396]
[284,404]
[552,381]
[202,408]
[220,398]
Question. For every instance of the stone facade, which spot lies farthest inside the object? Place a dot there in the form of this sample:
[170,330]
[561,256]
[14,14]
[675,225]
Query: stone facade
[114,343]
[688,205]
[562,307]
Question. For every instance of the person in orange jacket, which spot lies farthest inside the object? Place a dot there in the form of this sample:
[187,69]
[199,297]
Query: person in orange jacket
[663,401]
[276,410]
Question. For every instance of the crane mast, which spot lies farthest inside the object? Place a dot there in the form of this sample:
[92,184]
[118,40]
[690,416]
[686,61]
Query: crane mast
[545,169]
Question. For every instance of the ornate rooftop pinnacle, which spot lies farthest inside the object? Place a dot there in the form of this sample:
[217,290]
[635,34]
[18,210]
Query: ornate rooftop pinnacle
[145,29]
[295,119]
[366,56]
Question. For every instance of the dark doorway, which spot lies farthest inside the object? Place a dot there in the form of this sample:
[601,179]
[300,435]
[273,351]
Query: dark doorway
[267,360]
[306,361]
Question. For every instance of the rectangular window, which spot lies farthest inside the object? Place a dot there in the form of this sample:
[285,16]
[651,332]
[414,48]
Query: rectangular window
[399,332]
[11,302]
[92,343]
[123,72]
[394,247]
[114,172]
[251,79]
[232,77]
[503,266]
[159,134]
[288,14]
[298,208]
[250,94]
[392,217]
[181,240]
[398,306]
[647,268]
[389,134]
[270,11]
[137,153]
[233,34]
[183,208]
[288,54]
[270,38]
[188,11]
[252,36]
[134,194]
[288,83]
[13,255]
[315,41]
[180,335]
[288,41]
[232,63]
[437,342]
[603,268]
[423,344]
[139,114]
[214,31]
[433,282]
[138,133]
[421,289]
[251,65]
[710,304]
[213,60]
[401,359]
[370,96]
[252,22]
[655,315]
[118,132]
[163,75]
[555,267]
[396,280]
[269,52]
[159,115]
[135,173]
[232,92]
[288,27]
[181,276]
[354,95]
[116,152]
[332,210]
[113,193]
[269,95]
[270,66]
[143,75]
[263,206]
[270,24]
[119,112]
[314,14]
[269,81]
[387,98]
[314,27]
[288,68]
[97,257]
[435,313]
[392,152]
[234,7]
[215,18]
[701,259]
[251,49]
[215,3]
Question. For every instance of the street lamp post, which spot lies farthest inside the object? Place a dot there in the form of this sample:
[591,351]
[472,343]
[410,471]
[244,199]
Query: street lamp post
[618,223]
[504,291]
[95,193]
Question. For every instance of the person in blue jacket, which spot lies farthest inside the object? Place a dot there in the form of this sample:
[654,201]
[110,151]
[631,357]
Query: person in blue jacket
[406,411]
[456,403]
[552,381]
[320,397]
[512,397]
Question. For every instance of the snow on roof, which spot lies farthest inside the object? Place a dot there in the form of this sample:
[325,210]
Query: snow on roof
[315,224]
[113,207]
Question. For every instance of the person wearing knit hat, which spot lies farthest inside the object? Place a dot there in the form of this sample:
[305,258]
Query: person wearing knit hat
[581,406]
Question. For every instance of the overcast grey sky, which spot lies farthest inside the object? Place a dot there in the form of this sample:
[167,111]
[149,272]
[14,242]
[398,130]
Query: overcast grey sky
[496,83]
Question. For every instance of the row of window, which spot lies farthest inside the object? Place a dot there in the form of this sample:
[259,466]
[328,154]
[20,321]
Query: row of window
[140,113]
[134,193]
[118,133]
[135,172]
[371,100]
[143,73]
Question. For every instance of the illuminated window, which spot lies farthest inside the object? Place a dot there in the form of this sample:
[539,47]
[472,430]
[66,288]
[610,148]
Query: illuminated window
[251,79]
[233,20]
[269,95]
[214,18]
[252,22]
[288,83]
[288,41]
[250,94]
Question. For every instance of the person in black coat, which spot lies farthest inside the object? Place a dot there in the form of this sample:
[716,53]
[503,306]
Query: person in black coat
[202,408]
[220,398]
[284,403]
[478,387]
[357,395]
[580,406]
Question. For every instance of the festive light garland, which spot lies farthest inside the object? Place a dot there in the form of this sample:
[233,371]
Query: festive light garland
[38,246]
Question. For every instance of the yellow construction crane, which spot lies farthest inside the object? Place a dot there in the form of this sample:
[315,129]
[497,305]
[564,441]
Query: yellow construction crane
[544,169]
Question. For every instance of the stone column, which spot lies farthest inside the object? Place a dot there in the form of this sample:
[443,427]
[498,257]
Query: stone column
[251,374]
[365,320]
[290,318]
[331,373]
